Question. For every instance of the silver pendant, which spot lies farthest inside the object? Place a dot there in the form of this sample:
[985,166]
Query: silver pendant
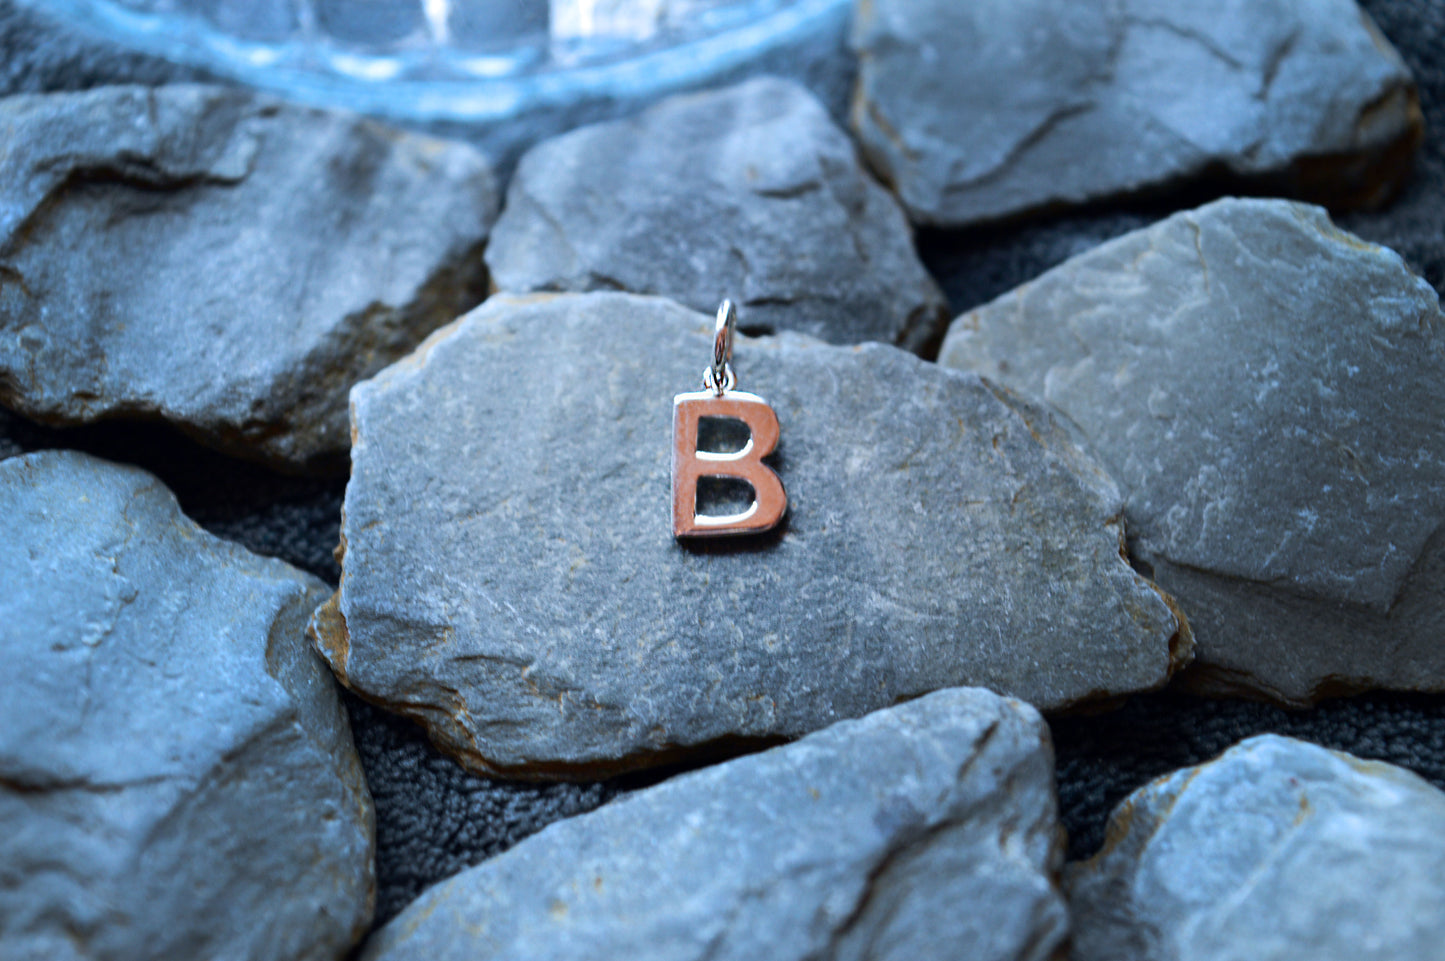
[689,465]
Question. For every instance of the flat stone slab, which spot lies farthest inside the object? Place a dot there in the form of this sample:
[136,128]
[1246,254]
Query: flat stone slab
[976,112]
[224,262]
[1268,391]
[751,193]
[1278,850]
[925,831]
[177,777]
[510,577]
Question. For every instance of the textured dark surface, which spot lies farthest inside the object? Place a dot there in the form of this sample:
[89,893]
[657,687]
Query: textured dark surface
[297,519]
[433,818]
[1103,757]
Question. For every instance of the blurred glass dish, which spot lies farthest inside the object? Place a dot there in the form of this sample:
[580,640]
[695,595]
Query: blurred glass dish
[504,73]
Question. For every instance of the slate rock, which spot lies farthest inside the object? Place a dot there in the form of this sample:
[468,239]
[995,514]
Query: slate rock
[177,778]
[1267,390]
[227,263]
[979,111]
[1277,850]
[924,831]
[1413,225]
[975,266]
[510,578]
[750,192]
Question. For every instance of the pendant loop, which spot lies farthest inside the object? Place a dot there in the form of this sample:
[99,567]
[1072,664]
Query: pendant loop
[720,377]
[719,387]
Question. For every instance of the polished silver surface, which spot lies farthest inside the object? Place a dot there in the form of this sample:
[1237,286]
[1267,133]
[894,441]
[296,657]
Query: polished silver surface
[720,376]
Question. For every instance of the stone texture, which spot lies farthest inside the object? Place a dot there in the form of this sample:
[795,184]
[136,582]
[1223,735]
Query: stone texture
[229,264]
[177,777]
[43,53]
[1267,389]
[924,831]
[433,819]
[750,192]
[510,577]
[975,266]
[1277,850]
[979,111]
[433,814]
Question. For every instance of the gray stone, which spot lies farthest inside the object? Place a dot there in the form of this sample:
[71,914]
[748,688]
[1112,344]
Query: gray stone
[926,831]
[1267,389]
[177,777]
[1278,850]
[510,578]
[229,264]
[750,192]
[977,111]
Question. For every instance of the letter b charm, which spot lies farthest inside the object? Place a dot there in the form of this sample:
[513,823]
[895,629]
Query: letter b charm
[689,465]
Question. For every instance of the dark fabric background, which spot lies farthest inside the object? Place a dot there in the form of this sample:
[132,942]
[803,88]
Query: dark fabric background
[433,819]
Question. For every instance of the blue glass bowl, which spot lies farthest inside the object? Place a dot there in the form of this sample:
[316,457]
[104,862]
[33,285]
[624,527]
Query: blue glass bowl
[503,73]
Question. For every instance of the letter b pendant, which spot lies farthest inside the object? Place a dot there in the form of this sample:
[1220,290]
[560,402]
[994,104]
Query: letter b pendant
[690,465]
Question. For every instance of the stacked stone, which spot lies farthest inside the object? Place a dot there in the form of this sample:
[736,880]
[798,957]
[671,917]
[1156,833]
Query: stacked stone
[1208,454]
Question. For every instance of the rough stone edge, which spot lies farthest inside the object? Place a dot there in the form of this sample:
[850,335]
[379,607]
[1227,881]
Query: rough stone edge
[1122,819]
[1202,677]
[921,332]
[910,845]
[1366,179]
[287,625]
[1061,437]
[464,271]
